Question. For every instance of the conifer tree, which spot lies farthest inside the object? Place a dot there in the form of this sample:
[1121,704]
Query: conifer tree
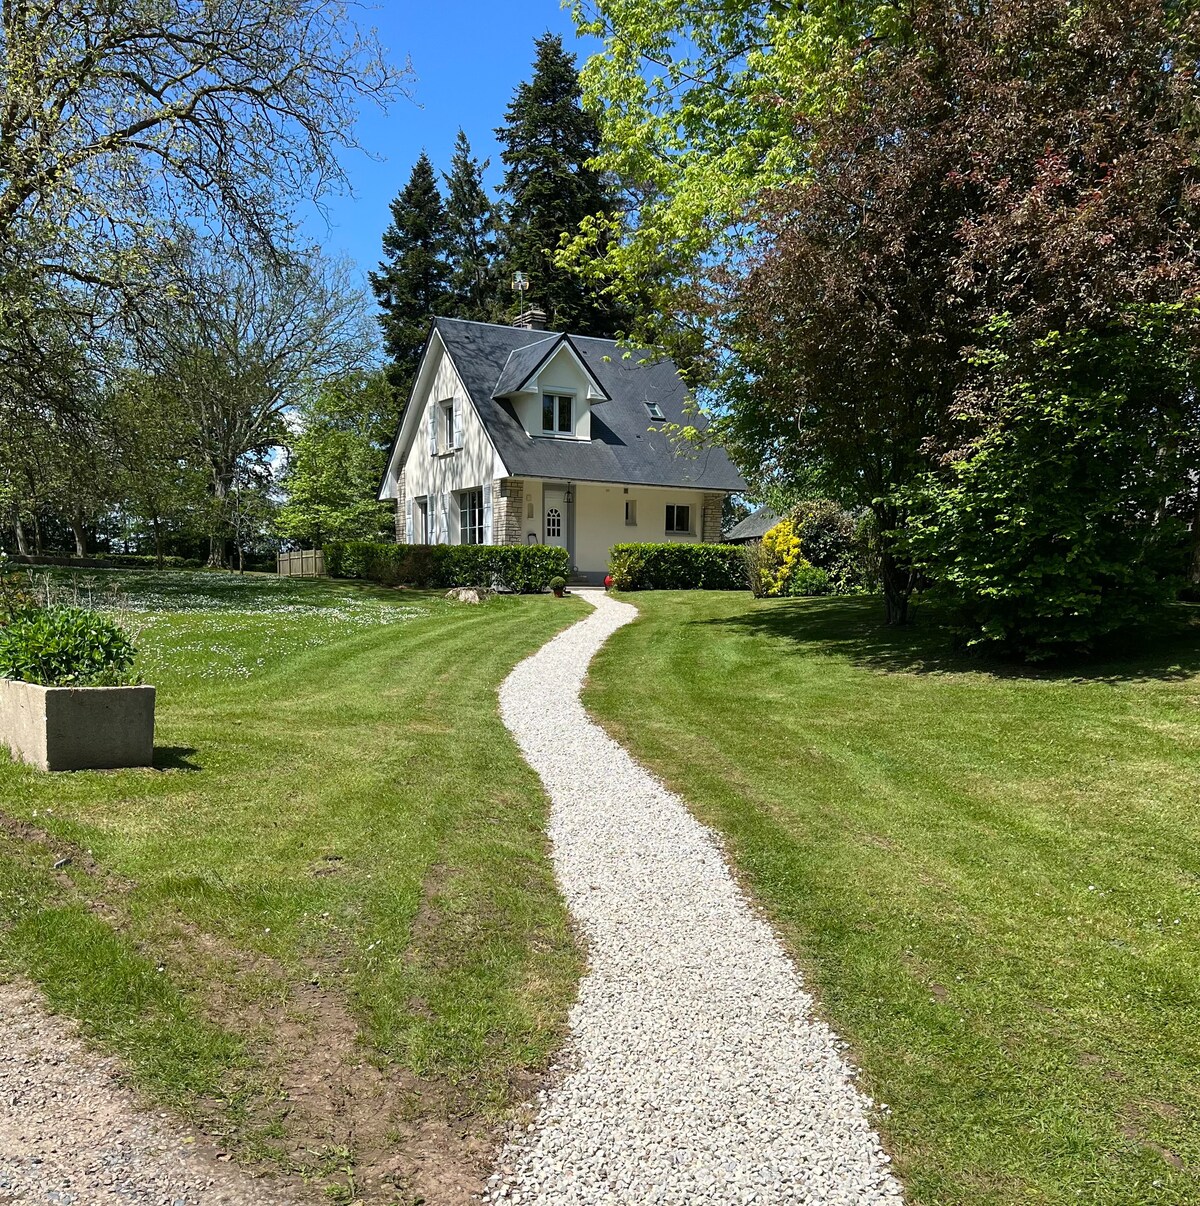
[471,231]
[549,141]
[412,283]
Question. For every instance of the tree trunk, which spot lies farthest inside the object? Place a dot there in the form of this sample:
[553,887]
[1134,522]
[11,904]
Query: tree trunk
[897,590]
[19,528]
[218,540]
[37,535]
[156,522]
[1195,574]
[80,530]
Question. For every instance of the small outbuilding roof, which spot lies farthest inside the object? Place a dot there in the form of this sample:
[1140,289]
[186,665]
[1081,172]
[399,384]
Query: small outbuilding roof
[753,527]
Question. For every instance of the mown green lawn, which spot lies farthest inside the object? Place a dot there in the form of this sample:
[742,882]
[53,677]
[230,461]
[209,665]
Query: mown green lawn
[990,877]
[327,918]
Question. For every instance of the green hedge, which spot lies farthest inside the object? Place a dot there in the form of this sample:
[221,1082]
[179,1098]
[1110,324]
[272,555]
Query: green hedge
[109,561]
[524,568]
[678,567]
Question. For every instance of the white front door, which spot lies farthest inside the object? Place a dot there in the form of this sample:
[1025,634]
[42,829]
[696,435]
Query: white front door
[554,515]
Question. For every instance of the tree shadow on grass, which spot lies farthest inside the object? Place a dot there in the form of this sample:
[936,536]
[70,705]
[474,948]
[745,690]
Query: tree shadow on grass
[175,757]
[1166,650]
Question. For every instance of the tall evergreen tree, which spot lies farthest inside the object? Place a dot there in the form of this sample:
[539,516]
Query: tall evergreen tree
[549,141]
[471,230]
[413,278]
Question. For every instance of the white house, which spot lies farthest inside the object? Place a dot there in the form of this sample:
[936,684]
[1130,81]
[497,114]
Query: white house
[518,435]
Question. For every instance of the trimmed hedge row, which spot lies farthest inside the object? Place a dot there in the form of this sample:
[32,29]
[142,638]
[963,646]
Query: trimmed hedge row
[678,566]
[107,561]
[524,568]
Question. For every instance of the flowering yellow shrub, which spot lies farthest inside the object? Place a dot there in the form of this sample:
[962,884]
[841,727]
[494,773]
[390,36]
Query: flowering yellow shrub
[780,557]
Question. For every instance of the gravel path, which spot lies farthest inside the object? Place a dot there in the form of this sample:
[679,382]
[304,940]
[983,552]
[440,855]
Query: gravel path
[696,1072]
[70,1135]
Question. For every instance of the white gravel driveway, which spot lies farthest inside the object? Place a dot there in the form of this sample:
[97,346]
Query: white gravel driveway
[696,1072]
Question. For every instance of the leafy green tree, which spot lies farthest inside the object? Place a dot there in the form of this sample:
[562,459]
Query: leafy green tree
[1051,530]
[413,280]
[336,462]
[471,237]
[552,186]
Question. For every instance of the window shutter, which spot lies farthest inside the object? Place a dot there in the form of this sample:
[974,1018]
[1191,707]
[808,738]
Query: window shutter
[458,440]
[432,416]
[408,524]
[487,515]
[446,539]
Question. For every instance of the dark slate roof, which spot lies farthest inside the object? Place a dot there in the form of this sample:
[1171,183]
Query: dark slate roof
[753,527]
[622,449]
[521,364]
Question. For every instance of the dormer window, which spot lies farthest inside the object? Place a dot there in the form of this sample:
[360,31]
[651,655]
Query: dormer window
[655,411]
[558,414]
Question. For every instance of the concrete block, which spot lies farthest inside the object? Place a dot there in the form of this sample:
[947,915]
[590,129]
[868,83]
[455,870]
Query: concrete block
[77,728]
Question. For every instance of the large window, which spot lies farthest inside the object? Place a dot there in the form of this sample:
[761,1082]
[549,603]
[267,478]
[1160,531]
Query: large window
[679,519]
[470,517]
[558,414]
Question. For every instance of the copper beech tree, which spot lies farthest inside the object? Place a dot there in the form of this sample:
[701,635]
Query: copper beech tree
[978,302]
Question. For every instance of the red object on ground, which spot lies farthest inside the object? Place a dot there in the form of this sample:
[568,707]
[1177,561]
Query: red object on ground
[607,581]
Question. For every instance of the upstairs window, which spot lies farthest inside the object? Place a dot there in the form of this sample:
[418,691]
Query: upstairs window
[655,411]
[631,512]
[448,441]
[679,519]
[558,414]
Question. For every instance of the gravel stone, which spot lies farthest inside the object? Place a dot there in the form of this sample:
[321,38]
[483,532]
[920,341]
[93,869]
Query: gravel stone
[696,1072]
[72,1135]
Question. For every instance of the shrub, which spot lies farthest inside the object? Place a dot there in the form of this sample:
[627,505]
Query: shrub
[677,566]
[557,583]
[521,568]
[66,647]
[809,580]
[778,558]
[832,539]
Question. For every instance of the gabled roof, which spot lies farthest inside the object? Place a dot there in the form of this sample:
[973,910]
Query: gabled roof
[523,365]
[754,526]
[624,448]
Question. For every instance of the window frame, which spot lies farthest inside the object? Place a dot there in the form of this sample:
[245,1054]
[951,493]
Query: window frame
[655,411]
[559,397]
[446,426]
[671,519]
[465,512]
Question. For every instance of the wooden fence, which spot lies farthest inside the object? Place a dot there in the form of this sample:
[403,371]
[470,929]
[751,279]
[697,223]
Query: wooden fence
[306,563]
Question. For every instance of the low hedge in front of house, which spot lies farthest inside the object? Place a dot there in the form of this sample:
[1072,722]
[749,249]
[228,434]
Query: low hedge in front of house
[678,566]
[523,568]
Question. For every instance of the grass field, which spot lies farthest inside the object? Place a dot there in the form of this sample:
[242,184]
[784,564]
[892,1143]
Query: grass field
[324,925]
[991,878]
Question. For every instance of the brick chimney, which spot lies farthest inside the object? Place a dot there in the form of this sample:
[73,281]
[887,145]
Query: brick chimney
[532,319]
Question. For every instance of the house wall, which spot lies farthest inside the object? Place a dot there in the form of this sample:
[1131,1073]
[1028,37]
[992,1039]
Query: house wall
[472,466]
[598,516]
[560,375]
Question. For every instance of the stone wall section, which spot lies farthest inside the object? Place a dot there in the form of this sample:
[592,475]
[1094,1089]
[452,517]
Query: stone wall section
[710,518]
[508,502]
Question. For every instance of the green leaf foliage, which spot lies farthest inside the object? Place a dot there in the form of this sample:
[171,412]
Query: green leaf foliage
[412,282]
[521,568]
[66,647]
[552,184]
[677,566]
[1052,528]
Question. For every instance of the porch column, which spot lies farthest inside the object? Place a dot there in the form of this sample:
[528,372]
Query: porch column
[710,518]
[508,510]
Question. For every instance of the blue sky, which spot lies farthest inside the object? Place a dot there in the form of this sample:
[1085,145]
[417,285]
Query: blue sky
[468,56]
